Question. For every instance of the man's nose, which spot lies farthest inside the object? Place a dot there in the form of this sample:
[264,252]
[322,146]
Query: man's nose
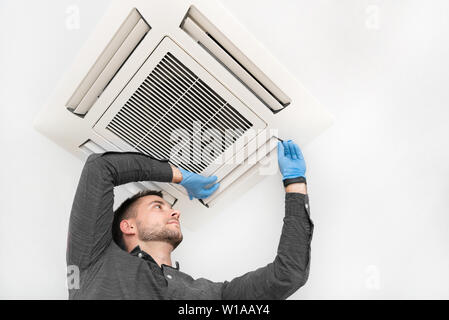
[176,214]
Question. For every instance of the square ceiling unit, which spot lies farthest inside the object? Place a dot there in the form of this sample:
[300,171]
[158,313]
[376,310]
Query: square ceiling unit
[183,81]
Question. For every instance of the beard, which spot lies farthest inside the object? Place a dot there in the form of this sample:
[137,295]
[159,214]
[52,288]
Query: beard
[165,234]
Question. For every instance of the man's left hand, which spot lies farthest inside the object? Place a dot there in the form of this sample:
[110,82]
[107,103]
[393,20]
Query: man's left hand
[198,186]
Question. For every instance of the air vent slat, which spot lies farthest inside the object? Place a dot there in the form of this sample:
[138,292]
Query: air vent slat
[143,113]
[168,84]
[172,97]
[176,77]
[182,76]
[137,125]
[129,125]
[199,97]
[137,122]
[161,91]
[241,119]
[123,119]
[205,90]
[186,71]
[189,107]
[162,105]
[235,122]
[157,110]
[117,129]
[185,125]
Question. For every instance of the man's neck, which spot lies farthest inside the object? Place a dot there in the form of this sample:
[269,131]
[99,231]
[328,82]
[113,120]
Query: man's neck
[160,251]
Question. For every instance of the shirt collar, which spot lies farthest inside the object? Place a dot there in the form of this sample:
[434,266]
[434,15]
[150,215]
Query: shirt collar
[137,252]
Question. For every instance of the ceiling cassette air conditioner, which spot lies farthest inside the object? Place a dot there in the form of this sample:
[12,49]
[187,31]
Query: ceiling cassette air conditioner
[180,80]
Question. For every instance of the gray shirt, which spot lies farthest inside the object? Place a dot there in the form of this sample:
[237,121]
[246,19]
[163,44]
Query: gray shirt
[108,272]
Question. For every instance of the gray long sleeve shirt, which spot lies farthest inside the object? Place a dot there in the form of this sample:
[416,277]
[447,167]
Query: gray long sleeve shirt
[108,272]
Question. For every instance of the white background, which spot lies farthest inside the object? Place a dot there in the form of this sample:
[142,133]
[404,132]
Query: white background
[378,178]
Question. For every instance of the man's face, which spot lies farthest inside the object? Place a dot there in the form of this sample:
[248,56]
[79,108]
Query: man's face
[156,220]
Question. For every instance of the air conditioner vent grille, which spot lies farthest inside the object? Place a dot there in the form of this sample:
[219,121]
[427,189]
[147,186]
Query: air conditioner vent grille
[173,99]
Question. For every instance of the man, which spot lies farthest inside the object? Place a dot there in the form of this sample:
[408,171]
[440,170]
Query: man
[126,254]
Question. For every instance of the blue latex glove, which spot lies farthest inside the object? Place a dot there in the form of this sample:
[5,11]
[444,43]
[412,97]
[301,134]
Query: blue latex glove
[196,184]
[291,161]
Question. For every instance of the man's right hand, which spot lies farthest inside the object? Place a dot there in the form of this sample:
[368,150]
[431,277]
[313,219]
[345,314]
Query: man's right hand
[291,161]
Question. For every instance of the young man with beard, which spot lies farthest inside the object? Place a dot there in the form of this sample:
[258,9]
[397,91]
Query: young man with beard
[126,254]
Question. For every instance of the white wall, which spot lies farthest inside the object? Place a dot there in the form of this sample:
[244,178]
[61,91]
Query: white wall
[377,179]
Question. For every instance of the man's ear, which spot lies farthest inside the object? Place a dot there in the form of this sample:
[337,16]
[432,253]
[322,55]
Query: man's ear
[127,227]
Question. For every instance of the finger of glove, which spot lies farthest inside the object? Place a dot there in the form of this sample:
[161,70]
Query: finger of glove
[209,186]
[286,149]
[210,179]
[292,150]
[299,152]
[208,192]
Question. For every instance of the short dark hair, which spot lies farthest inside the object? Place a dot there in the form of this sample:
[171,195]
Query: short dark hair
[125,211]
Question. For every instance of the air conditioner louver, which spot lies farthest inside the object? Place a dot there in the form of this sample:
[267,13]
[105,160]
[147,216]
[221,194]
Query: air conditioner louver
[113,57]
[224,51]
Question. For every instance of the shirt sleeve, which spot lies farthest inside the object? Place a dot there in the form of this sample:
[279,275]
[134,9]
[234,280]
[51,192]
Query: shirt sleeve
[92,210]
[290,269]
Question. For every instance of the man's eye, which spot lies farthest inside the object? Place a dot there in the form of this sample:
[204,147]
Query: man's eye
[158,205]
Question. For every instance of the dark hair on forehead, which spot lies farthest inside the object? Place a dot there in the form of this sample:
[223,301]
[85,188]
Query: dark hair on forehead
[125,211]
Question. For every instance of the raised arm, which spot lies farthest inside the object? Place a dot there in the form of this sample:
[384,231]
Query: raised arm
[92,210]
[290,269]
